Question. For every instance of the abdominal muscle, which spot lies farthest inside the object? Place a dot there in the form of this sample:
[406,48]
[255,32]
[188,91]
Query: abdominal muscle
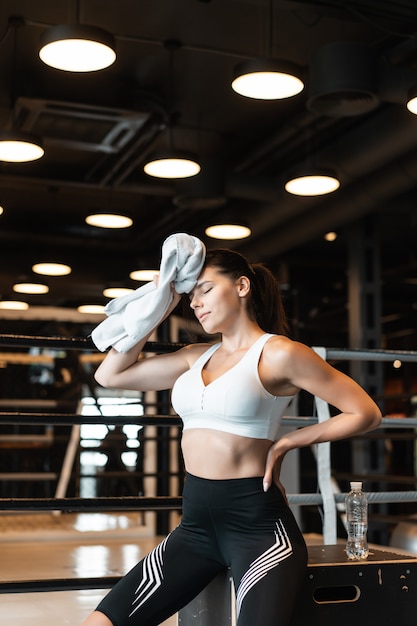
[219,455]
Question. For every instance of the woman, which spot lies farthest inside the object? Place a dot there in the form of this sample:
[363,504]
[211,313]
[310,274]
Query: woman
[231,397]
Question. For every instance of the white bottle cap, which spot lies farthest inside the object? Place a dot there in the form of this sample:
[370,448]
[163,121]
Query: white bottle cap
[356,486]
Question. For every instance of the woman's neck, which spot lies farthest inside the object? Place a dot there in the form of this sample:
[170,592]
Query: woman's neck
[241,338]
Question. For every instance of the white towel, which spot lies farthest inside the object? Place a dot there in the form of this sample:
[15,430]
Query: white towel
[132,317]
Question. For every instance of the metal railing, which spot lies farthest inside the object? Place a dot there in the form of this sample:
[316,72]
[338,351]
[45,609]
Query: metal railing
[143,503]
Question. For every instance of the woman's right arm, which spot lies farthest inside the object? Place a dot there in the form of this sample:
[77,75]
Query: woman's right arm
[127,371]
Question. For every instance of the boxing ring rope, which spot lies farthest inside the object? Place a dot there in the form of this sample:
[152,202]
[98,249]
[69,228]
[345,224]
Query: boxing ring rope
[144,503]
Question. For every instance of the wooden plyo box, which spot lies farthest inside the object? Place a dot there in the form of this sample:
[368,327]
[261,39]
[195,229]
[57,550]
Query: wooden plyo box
[379,591]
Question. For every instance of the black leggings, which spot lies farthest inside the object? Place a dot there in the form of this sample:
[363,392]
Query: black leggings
[225,523]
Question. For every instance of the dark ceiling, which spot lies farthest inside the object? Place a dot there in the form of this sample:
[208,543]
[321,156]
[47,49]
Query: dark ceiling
[174,63]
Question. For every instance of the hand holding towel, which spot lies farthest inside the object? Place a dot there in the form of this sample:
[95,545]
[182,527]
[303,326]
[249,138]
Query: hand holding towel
[132,317]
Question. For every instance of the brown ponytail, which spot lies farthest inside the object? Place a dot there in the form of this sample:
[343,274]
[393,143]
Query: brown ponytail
[266,301]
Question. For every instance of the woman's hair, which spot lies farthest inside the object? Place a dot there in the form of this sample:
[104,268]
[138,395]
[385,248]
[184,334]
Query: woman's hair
[265,301]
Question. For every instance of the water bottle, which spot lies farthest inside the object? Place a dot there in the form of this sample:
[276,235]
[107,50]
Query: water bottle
[357,523]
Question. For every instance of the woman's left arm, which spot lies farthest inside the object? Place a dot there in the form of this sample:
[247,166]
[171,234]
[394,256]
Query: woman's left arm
[306,370]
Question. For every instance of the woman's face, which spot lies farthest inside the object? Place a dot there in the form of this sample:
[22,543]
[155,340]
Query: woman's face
[216,300]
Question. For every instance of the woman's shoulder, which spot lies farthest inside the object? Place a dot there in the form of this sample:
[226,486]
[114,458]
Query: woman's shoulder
[284,350]
[193,351]
[287,365]
[282,343]
[277,361]
[295,360]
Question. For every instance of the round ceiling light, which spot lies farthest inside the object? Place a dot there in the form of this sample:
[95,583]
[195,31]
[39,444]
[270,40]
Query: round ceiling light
[343,80]
[145,276]
[77,48]
[266,79]
[412,101]
[228,231]
[51,269]
[312,185]
[109,220]
[116,292]
[95,309]
[412,105]
[14,305]
[20,147]
[33,288]
[171,164]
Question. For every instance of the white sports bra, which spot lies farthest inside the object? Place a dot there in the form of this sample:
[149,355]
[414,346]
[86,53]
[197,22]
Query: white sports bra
[235,402]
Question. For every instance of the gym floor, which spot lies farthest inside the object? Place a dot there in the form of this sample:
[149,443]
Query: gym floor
[63,546]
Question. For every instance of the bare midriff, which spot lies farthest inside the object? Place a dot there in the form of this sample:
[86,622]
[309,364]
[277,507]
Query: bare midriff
[219,455]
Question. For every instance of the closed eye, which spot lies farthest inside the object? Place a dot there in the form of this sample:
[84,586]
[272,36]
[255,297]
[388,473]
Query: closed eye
[202,288]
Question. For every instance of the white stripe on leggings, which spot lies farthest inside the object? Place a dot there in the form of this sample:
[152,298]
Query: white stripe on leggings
[272,557]
[152,576]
